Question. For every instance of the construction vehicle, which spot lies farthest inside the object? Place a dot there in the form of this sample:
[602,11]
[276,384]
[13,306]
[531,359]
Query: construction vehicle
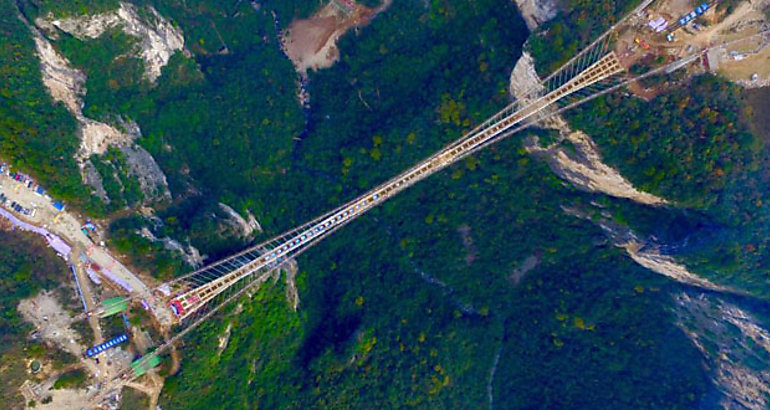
[642,43]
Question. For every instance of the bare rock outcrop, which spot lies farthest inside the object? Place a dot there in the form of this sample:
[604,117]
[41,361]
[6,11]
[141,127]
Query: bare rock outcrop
[246,227]
[253,223]
[224,339]
[537,12]
[92,178]
[189,253]
[158,38]
[648,257]
[583,168]
[525,83]
[65,84]
[667,266]
[98,136]
[152,180]
[292,294]
[735,346]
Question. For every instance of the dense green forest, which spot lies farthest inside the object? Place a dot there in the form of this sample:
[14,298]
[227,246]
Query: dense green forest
[474,284]
[409,324]
[413,304]
[695,147]
[684,145]
[693,144]
[36,136]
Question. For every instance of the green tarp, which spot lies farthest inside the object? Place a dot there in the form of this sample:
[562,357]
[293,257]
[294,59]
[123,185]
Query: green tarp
[112,306]
[147,362]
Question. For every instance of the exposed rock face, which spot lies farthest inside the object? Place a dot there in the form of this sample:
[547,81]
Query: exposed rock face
[292,294]
[253,223]
[734,344]
[224,339]
[66,85]
[585,168]
[537,12]
[152,180]
[189,253]
[98,136]
[246,227]
[91,177]
[525,83]
[667,266]
[158,38]
[647,256]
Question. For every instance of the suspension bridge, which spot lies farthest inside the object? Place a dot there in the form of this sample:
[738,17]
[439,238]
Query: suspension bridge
[195,297]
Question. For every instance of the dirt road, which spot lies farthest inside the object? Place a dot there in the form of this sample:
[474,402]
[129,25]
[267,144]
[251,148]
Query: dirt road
[68,227]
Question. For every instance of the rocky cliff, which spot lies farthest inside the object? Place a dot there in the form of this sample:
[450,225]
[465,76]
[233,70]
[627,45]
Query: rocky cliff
[66,84]
[158,38]
[537,12]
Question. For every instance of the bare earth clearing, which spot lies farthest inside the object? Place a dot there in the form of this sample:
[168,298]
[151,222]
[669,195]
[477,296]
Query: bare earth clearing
[312,43]
[735,45]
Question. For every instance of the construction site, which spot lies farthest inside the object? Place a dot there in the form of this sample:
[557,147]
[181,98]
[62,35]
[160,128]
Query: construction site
[733,37]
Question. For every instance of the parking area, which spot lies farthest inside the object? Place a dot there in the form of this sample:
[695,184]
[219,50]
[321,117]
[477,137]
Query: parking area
[29,202]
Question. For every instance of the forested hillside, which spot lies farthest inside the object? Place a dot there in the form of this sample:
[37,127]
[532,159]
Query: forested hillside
[693,144]
[476,288]
[36,135]
[414,303]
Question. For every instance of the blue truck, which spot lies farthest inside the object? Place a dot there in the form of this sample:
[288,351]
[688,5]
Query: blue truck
[93,351]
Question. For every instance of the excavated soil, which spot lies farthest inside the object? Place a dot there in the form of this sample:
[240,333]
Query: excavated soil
[312,43]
